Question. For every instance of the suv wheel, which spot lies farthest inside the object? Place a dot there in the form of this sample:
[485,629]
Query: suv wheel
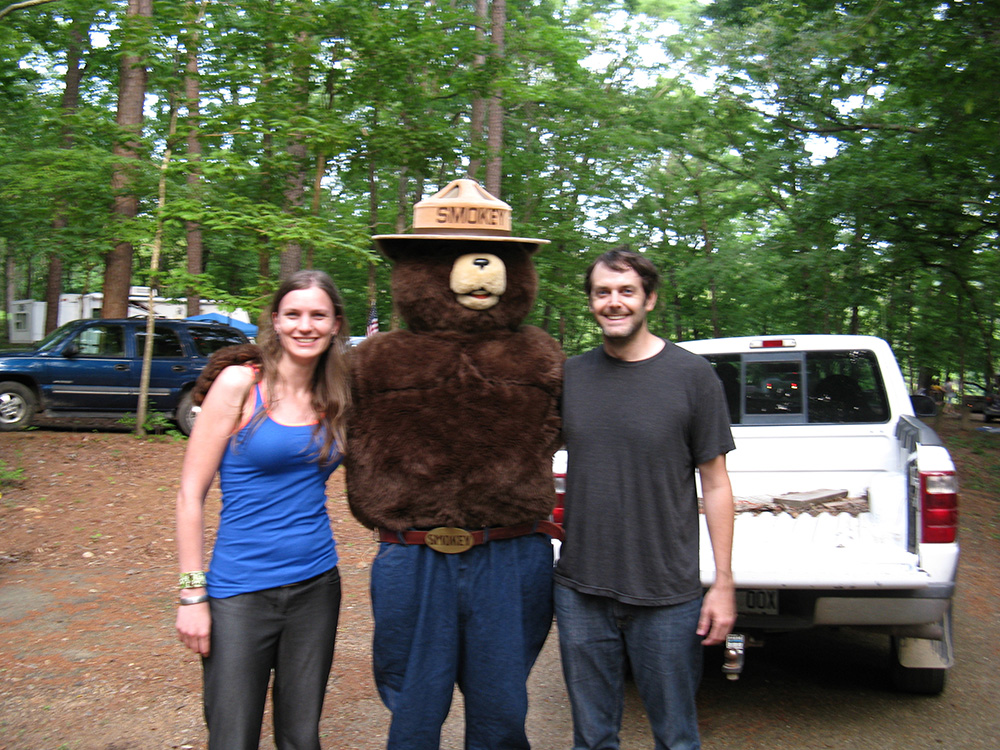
[17,406]
[186,412]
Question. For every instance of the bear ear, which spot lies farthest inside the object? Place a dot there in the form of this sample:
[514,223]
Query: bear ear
[395,250]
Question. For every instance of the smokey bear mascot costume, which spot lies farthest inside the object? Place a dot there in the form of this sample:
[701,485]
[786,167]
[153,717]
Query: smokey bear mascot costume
[455,421]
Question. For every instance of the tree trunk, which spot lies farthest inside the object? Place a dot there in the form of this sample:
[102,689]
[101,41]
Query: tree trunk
[320,172]
[494,158]
[9,287]
[373,226]
[295,181]
[192,94]
[263,240]
[70,103]
[131,96]
[291,255]
[478,116]
[154,269]
[706,237]
[54,283]
[267,159]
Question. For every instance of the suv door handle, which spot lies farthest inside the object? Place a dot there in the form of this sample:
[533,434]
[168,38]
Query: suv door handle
[122,367]
[179,368]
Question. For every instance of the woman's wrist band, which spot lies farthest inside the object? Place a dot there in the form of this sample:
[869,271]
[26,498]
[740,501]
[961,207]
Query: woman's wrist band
[185,600]
[193,580]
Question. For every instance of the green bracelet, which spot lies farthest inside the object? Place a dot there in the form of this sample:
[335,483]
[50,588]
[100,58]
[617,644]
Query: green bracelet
[193,580]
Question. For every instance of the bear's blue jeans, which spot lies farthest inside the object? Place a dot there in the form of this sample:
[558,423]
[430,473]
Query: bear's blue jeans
[596,634]
[477,619]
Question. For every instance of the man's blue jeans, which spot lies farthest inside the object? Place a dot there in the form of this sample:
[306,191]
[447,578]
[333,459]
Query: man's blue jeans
[596,634]
[477,619]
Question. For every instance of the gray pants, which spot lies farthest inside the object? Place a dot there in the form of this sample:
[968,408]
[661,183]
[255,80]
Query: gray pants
[290,630]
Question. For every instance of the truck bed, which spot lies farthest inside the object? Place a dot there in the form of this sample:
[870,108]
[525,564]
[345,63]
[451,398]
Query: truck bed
[858,544]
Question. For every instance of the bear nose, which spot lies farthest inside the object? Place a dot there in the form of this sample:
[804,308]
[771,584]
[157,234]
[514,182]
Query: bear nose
[481,262]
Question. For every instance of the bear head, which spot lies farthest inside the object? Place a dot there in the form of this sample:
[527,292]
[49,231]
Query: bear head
[463,285]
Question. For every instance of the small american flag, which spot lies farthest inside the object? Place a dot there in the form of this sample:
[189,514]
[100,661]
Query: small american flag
[372,321]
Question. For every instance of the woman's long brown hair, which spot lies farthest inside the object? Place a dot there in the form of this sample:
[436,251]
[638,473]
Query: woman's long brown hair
[331,389]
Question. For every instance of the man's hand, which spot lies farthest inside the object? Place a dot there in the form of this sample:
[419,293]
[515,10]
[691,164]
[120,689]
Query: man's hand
[718,609]
[718,613]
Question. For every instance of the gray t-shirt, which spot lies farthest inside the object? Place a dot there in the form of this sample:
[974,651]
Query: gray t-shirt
[634,433]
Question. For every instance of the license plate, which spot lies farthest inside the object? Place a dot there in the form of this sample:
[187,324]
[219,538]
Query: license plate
[757,601]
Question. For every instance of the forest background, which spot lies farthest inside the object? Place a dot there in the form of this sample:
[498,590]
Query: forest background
[792,166]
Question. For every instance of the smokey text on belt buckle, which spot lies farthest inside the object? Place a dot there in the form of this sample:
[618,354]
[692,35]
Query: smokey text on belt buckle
[448,539]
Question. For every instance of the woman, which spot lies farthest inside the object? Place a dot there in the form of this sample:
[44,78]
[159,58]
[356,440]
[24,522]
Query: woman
[274,430]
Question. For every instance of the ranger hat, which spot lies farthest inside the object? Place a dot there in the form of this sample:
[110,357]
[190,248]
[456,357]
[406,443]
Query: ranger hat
[463,210]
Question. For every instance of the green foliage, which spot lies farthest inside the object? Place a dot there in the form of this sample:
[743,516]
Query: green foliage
[10,476]
[791,166]
[895,233]
[156,423]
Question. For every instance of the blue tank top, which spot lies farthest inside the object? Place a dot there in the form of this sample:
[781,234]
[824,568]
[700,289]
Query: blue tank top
[273,529]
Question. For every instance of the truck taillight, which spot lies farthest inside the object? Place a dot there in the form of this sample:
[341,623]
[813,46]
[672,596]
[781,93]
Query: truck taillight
[938,506]
[557,512]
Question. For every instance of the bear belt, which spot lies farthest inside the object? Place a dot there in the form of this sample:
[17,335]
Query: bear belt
[451,540]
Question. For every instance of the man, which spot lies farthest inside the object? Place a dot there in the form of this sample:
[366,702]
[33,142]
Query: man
[639,415]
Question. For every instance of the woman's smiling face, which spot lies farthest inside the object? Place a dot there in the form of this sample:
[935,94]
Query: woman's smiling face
[305,322]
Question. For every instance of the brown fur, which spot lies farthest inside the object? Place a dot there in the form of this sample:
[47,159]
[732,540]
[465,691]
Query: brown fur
[238,354]
[456,419]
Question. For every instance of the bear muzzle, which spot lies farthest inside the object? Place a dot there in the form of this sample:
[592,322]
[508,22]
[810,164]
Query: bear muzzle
[478,280]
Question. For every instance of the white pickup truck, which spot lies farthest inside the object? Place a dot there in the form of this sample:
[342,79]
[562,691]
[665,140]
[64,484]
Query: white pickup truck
[846,504]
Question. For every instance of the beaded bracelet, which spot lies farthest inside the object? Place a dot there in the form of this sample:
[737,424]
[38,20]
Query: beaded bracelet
[193,580]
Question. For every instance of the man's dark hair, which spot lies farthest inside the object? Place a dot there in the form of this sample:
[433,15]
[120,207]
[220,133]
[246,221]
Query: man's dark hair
[622,259]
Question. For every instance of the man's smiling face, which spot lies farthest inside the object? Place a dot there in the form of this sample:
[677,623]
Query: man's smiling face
[618,302]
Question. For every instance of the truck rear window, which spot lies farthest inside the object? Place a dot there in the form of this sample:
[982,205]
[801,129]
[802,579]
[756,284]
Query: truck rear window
[830,387]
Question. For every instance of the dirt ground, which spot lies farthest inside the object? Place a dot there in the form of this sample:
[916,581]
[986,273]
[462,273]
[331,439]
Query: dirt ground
[88,655]
[89,659]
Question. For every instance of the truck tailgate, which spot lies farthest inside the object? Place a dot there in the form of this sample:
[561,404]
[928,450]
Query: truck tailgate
[815,552]
[814,548]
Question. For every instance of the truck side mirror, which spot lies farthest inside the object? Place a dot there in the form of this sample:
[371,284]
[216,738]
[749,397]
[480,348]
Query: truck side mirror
[923,406]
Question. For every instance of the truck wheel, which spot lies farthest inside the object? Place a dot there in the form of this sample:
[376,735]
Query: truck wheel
[922,681]
[185,414]
[17,406]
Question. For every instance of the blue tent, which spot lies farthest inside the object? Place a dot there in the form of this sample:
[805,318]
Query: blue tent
[214,317]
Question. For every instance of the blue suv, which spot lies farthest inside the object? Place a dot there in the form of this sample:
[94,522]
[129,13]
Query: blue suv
[92,368]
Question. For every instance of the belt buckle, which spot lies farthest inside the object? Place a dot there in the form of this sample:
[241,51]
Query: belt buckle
[449,540]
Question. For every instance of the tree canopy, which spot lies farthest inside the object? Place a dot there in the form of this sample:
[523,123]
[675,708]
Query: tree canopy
[792,167]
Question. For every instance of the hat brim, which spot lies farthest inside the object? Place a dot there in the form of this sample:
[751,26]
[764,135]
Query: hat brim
[385,241]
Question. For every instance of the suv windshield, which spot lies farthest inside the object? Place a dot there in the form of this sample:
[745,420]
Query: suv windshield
[53,339]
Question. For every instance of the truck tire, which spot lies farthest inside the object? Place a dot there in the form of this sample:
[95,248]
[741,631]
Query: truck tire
[17,406]
[921,681]
[185,414]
